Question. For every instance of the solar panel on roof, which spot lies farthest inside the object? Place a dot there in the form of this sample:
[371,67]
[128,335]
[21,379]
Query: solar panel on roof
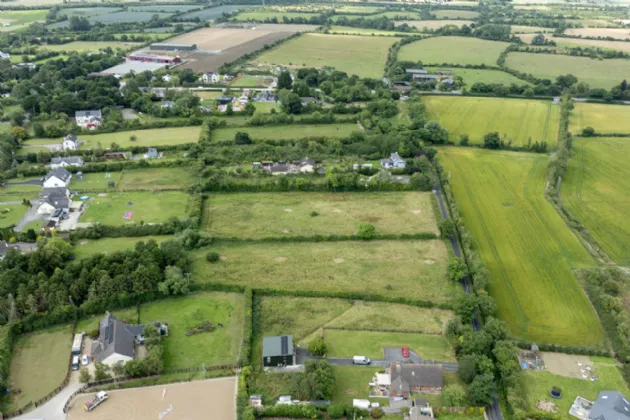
[284,344]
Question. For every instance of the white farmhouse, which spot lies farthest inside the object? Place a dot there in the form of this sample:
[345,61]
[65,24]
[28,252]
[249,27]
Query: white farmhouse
[70,142]
[88,119]
[63,162]
[394,161]
[211,77]
[58,177]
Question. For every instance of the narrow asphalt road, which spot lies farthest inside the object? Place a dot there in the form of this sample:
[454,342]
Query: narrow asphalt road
[446,366]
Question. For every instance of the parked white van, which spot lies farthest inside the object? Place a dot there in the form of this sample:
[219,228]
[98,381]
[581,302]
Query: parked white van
[361,360]
[75,362]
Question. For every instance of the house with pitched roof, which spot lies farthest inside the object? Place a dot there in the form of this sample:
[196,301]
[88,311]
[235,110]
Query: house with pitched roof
[394,161]
[88,119]
[70,142]
[62,162]
[58,177]
[51,199]
[407,378]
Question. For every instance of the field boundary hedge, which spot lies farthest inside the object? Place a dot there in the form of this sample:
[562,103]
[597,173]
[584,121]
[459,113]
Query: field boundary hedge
[385,330]
[332,238]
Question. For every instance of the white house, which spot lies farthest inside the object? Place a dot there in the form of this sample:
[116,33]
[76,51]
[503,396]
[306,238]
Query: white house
[211,77]
[58,177]
[62,162]
[52,199]
[88,119]
[70,142]
[167,78]
[394,161]
[5,56]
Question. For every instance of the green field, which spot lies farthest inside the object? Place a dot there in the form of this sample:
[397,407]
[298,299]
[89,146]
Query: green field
[360,55]
[82,46]
[364,31]
[404,269]
[289,214]
[538,384]
[520,120]
[156,178]
[472,76]
[424,25]
[594,189]
[287,132]
[521,29]
[22,17]
[10,214]
[603,118]
[343,343]
[248,81]
[36,150]
[147,207]
[39,364]
[88,247]
[455,14]
[527,247]
[220,346]
[453,50]
[154,137]
[352,382]
[597,73]
[261,16]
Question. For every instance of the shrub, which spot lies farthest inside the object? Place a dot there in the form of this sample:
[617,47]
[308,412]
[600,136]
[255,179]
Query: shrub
[314,214]
[84,376]
[336,411]
[588,132]
[376,413]
[317,347]
[366,231]
[212,257]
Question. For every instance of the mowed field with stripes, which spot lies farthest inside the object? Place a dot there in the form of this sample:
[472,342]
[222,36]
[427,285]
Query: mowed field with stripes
[527,247]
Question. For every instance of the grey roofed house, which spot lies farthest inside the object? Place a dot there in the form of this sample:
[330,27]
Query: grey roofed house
[71,137]
[307,161]
[70,160]
[157,92]
[610,405]
[279,168]
[416,375]
[85,114]
[152,153]
[113,338]
[58,197]
[426,76]
[60,173]
[448,82]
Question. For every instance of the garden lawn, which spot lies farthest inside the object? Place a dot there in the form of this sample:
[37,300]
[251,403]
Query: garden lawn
[520,120]
[39,364]
[351,382]
[472,76]
[287,132]
[361,55]
[156,178]
[260,215]
[10,214]
[147,207]
[220,346]
[538,384]
[528,249]
[344,343]
[597,73]
[595,190]
[128,315]
[88,247]
[603,118]
[98,181]
[453,50]
[415,270]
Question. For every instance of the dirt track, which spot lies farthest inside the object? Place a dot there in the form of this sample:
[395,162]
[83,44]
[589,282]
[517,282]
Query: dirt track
[214,398]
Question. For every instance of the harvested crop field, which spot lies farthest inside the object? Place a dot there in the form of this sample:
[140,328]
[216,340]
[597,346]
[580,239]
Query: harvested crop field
[434,24]
[618,33]
[221,45]
[191,400]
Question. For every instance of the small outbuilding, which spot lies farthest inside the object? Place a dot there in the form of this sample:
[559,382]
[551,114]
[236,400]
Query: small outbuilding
[278,351]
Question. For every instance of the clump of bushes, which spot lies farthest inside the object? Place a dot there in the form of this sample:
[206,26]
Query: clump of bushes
[212,257]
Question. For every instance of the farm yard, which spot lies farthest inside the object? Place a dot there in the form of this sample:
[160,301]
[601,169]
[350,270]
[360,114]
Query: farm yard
[287,132]
[519,120]
[418,268]
[597,73]
[594,190]
[291,214]
[604,118]
[187,399]
[452,50]
[114,209]
[528,249]
[363,56]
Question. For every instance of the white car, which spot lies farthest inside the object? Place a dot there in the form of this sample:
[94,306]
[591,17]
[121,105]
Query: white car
[84,360]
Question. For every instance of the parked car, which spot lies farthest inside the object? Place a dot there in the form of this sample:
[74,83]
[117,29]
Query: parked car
[84,360]
[405,351]
[361,360]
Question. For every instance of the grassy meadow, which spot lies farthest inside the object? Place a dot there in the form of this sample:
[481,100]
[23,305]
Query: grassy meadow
[472,76]
[147,207]
[594,189]
[403,269]
[83,46]
[220,346]
[597,73]
[528,249]
[364,31]
[520,120]
[363,56]
[286,132]
[10,214]
[88,247]
[156,178]
[453,50]
[260,215]
[604,118]
[423,25]
[39,364]
[455,14]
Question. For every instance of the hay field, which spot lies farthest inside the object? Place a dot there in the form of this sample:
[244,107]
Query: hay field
[521,29]
[453,50]
[361,55]
[519,119]
[187,400]
[287,132]
[598,74]
[401,269]
[455,14]
[289,214]
[82,46]
[603,118]
[595,190]
[527,247]
[472,76]
[618,33]
[435,24]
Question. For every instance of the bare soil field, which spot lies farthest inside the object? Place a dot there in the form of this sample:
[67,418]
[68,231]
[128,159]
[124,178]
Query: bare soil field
[190,400]
[618,33]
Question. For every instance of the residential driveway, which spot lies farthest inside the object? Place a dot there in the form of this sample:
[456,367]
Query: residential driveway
[30,216]
[53,409]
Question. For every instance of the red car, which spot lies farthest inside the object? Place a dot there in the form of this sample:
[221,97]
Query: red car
[405,352]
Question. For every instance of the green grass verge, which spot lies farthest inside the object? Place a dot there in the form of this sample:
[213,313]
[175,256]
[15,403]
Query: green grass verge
[453,50]
[594,189]
[402,269]
[287,132]
[363,56]
[88,247]
[519,120]
[289,214]
[147,207]
[527,247]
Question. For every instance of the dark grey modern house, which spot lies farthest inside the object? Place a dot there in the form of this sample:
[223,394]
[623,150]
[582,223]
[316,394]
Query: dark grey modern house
[610,405]
[278,351]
